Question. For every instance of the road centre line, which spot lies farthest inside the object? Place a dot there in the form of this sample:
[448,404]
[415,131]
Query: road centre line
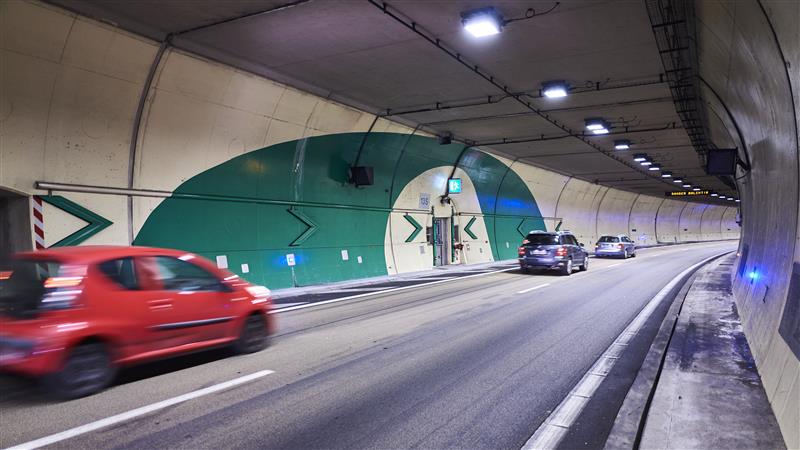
[402,288]
[552,431]
[533,288]
[147,409]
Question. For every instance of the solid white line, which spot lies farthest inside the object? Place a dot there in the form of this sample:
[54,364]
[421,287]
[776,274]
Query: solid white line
[613,265]
[286,305]
[556,426]
[533,288]
[363,289]
[403,288]
[108,421]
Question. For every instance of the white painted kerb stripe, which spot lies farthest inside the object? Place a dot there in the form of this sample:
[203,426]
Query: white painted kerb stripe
[556,426]
[533,288]
[108,421]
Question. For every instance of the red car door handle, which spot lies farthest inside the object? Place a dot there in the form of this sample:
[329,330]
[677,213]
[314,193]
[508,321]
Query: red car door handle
[160,304]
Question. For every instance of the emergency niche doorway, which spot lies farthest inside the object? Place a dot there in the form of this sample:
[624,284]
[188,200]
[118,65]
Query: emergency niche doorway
[443,234]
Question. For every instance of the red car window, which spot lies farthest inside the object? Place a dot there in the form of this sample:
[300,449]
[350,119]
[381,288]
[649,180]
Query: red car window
[147,271]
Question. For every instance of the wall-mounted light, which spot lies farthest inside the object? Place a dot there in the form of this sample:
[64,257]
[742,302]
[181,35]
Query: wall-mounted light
[482,22]
[639,157]
[555,89]
[753,275]
[597,125]
[622,144]
[666,174]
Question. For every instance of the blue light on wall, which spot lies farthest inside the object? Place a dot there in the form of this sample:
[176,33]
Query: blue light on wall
[454,185]
[753,275]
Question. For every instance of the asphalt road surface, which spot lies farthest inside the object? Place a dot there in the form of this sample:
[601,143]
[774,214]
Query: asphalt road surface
[471,363]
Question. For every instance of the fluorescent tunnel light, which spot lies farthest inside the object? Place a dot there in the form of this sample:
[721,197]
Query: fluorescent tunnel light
[555,89]
[482,22]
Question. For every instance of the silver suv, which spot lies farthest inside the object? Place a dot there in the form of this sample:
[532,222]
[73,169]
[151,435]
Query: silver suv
[552,250]
[617,245]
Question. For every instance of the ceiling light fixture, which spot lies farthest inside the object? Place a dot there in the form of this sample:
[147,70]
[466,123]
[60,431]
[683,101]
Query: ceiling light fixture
[639,157]
[646,162]
[483,22]
[555,89]
[622,144]
[687,185]
[714,194]
[666,175]
[697,189]
[654,167]
[597,125]
[737,200]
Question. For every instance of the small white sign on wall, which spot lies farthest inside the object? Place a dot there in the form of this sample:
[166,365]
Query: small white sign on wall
[424,200]
[245,268]
[360,260]
[222,261]
[290,260]
[345,255]
[421,249]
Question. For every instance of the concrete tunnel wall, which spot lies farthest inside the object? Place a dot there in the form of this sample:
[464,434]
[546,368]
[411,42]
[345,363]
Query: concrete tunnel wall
[70,94]
[749,59]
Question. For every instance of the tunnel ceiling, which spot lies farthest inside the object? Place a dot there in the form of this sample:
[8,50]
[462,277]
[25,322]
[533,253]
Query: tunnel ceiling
[353,52]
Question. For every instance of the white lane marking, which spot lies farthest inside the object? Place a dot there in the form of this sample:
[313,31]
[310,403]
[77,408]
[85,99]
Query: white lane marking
[108,421]
[403,288]
[533,288]
[433,278]
[613,265]
[358,289]
[286,305]
[556,426]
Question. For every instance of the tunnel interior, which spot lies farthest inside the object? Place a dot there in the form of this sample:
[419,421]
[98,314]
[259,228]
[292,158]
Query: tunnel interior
[177,126]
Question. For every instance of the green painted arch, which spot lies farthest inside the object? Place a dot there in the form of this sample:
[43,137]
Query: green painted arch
[253,207]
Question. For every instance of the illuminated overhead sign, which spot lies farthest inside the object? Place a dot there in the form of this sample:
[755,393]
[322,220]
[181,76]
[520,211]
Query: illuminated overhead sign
[454,185]
[686,193]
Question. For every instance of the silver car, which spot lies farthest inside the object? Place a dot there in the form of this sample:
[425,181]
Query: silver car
[617,245]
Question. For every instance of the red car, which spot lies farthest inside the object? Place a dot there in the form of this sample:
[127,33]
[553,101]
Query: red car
[73,315]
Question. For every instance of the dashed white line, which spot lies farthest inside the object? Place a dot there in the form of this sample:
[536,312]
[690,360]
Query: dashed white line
[533,288]
[108,421]
[613,265]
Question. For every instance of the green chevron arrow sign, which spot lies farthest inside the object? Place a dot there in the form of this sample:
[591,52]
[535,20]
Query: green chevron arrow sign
[467,228]
[416,225]
[520,230]
[312,227]
[94,222]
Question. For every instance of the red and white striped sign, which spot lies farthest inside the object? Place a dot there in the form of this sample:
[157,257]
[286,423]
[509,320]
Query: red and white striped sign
[38,223]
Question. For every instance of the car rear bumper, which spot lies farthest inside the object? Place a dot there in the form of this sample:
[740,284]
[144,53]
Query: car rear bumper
[614,252]
[28,356]
[541,263]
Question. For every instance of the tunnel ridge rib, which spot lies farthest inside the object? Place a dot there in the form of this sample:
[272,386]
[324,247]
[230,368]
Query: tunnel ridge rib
[414,27]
